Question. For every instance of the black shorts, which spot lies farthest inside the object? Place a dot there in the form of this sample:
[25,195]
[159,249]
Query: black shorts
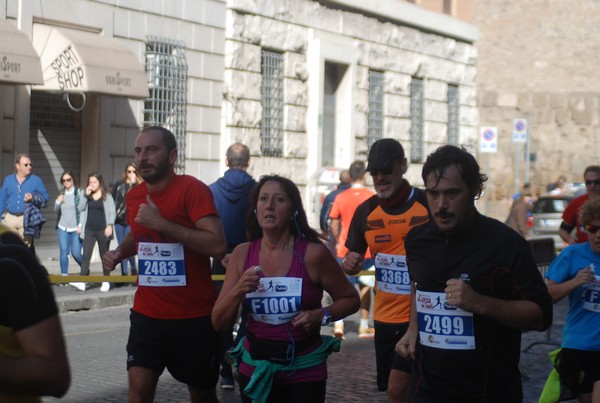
[301,392]
[188,348]
[571,363]
[386,337]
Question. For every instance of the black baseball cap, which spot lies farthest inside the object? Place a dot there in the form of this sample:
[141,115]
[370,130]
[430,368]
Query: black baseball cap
[383,154]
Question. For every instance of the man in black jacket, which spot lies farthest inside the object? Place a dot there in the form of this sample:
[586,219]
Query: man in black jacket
[475,287]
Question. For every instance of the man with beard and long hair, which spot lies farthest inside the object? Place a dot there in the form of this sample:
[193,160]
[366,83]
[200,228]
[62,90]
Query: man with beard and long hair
[381,224]
[175,230]
[475,287]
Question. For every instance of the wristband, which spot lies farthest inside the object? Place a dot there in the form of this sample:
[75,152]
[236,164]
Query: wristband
[326,317]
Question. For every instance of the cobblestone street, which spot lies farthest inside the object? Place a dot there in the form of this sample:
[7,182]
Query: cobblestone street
[96,339]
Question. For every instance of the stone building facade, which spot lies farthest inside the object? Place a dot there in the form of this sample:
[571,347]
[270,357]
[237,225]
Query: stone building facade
[537,59]
[35,119]
[328,52]
[350,71]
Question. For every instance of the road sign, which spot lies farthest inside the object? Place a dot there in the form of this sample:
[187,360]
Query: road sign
[488,141]
[520,130]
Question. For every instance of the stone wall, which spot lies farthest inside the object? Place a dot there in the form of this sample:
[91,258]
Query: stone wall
[538,59]
[399,51]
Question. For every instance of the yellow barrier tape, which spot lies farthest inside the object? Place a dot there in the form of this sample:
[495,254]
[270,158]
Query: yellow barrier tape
[56,279]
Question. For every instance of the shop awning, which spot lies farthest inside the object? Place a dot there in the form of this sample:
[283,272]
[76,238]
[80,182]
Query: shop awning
[78,61]
[19,62]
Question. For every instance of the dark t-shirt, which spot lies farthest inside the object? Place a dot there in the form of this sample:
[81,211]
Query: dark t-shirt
[96,220]
[26,297]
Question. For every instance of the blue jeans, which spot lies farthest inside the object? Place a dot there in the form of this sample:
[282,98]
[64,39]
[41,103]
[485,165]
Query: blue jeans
[121,232]
[68,242]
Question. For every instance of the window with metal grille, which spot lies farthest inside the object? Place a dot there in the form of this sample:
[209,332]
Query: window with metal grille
[375,119]
[417,103]
[166,67]
[453,114]
[271,127]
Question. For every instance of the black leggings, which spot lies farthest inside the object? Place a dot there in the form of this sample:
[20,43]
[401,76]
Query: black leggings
[301,392]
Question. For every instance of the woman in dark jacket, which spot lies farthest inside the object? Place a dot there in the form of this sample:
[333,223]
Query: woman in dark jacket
[131,178]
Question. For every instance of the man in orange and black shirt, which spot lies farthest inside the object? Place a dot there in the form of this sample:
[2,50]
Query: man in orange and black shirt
[380,224]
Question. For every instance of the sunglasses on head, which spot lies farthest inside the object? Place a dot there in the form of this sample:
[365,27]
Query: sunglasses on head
[592,229]
[594,182]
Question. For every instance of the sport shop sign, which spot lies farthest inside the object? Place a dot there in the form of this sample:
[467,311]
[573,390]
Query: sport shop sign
[7,66]
[77,61]
[71,75]
[69,72]
[19,62]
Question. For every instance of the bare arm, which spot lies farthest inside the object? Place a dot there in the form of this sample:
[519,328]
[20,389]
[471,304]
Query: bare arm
[207,237]
[520,314]
[323,269]
[560,290]
[125,249]
[44,369]
[565,233]
[237,283]
[334,227]
[407,344]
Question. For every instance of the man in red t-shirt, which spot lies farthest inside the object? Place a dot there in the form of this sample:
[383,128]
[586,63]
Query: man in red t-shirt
[341,214]
[175,229]
[572,214]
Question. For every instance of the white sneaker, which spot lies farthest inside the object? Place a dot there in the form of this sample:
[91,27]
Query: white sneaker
[79,285]
[105,287]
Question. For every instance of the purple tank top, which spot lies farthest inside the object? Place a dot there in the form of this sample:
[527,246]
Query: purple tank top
[311,299]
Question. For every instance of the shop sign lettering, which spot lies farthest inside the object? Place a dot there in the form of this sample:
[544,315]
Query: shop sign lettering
[9,67]
[118,81]
[68,71]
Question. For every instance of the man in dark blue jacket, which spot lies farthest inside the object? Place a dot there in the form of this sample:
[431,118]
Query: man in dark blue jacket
[232,199]
[324,220]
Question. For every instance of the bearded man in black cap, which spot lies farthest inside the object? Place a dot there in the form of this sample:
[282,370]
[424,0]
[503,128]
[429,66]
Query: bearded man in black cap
[381,223]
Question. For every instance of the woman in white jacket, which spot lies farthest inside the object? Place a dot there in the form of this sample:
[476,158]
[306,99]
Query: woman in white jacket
[97,221]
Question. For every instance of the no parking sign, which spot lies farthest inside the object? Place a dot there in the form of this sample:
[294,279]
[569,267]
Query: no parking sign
[520,130]
[488,140]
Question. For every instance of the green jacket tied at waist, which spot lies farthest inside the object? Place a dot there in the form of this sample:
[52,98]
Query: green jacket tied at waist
[262,379]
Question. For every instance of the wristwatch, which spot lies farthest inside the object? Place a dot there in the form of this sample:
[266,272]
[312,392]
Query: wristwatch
[326,317]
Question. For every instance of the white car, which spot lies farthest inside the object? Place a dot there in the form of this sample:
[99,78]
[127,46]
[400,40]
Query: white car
[546,218]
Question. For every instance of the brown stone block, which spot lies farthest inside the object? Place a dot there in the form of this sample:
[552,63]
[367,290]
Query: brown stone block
[489,98]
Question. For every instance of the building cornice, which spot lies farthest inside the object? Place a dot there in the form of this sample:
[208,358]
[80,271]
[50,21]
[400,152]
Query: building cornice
[412,15]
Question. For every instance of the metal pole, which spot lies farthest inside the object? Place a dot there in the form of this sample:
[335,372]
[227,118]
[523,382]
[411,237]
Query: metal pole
[517,168]
[527,151]
[487,193]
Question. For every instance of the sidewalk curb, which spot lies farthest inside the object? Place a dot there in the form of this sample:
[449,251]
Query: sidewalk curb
[94,300]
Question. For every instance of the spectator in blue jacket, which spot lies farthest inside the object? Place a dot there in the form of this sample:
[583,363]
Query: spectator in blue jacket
[232,199]
[324,220]
[17,190]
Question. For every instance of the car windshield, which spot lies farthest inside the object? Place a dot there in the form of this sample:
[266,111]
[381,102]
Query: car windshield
[550,205]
